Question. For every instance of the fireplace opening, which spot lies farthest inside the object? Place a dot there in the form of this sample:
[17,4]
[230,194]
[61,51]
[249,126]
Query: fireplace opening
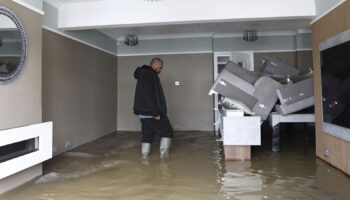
[18,149]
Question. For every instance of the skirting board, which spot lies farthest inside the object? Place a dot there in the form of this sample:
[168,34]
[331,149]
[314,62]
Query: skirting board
[20,178]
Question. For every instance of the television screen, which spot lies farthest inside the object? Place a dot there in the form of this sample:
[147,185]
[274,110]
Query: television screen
[335,75]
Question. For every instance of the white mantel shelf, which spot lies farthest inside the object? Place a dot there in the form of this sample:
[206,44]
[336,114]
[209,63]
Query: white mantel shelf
[43,133]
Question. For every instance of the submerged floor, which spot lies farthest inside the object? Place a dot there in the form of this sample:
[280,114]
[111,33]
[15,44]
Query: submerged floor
[111,168]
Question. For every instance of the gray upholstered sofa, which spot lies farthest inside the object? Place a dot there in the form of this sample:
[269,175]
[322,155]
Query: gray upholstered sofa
[249,89]
[295,96]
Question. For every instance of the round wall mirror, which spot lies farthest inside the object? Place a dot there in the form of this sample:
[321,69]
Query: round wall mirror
[13,46]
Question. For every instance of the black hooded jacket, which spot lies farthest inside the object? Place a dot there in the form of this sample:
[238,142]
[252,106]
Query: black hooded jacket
[149,95]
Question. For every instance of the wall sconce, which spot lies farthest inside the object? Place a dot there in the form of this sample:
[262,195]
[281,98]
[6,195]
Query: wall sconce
[250,35]
[131,40]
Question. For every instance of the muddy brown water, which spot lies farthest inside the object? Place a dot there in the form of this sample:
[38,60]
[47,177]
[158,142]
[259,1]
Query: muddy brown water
[111,168]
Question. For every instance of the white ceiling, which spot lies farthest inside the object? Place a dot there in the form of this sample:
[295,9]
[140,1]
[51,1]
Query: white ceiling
[75,1]
[205,28]
[61,2]
[214,28]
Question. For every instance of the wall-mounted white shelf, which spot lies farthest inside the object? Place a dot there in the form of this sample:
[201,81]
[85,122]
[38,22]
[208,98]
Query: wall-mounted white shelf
[42,133]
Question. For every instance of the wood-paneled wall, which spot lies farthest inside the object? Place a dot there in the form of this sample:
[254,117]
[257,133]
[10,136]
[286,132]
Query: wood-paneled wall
[334,22]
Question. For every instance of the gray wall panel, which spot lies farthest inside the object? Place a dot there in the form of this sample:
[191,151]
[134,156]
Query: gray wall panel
[286,42]
[209,44]
[92,37]
[303,41]
[35,3]
[168,46]
[323,6]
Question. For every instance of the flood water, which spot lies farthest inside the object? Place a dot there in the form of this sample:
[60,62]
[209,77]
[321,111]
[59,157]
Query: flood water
[111,168]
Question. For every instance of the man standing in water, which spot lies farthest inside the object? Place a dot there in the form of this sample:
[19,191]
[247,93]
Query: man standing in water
[150,106]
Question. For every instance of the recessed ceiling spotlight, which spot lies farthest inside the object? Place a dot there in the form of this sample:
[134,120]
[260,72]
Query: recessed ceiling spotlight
[131,40]
[250,35]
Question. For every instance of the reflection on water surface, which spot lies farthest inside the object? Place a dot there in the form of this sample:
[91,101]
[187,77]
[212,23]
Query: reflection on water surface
[111,168]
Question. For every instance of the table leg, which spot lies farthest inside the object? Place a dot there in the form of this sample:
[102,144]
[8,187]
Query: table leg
[276,138]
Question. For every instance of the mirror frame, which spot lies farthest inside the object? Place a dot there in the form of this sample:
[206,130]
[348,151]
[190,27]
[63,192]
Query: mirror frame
[13,75]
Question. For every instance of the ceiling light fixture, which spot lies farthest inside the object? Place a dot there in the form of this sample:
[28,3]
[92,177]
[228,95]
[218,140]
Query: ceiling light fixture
[250,35]
[131,40]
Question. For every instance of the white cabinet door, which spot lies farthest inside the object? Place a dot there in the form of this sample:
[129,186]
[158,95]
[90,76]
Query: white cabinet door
[241,130]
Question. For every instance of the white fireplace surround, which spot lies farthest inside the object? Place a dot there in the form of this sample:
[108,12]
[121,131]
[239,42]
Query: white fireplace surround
[42,131]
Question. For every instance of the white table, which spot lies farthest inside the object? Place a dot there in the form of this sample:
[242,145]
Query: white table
[275,119]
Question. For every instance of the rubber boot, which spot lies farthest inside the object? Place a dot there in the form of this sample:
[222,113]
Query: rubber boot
[164,148]
[145,150]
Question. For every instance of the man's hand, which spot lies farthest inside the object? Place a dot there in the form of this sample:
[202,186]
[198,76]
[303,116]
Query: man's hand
[156,117]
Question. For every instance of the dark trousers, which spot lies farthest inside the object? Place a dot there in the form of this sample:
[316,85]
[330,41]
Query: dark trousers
[151,126]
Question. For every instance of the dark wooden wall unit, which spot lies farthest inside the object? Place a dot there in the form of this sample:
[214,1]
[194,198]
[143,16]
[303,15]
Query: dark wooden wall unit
[334,22]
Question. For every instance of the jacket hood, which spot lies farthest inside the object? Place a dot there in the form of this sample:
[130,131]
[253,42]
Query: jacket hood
[140,70]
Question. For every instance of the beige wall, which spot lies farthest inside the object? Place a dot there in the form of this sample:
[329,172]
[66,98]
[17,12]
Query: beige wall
[304,60]
[20,100]
[301,60]
[189,106]
[289,57]
[336,21]
[79,90]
